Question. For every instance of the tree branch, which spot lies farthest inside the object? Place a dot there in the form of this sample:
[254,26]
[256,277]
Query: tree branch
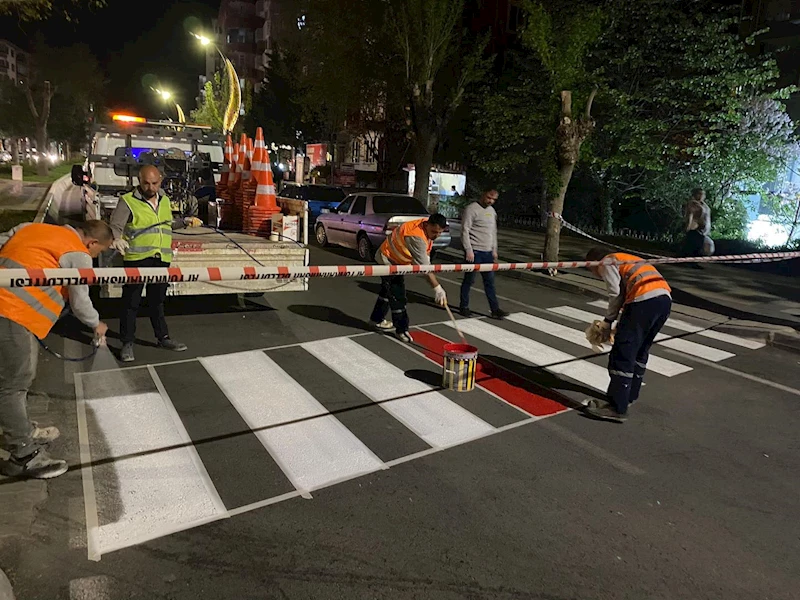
[589,103]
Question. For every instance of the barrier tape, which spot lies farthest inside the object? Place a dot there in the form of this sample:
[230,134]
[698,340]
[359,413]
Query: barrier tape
[572,227]
[18,278]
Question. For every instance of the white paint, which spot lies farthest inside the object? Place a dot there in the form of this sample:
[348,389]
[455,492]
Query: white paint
[429,414]
[538,354]
[656,364]
[709,333]
[312,447]
[685,346]
[157,493]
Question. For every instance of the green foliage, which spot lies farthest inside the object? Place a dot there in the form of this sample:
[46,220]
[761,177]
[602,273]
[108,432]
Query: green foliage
[211,109]
[38,10]
[275,106]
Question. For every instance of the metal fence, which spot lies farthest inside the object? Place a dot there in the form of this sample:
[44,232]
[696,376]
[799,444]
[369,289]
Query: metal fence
[536,223]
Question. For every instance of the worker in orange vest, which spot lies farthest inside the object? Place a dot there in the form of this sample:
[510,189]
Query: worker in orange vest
[409,244]
[28,313]
[644,297]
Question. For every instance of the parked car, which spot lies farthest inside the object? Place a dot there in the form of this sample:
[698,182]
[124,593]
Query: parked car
[320,198]
[363,220]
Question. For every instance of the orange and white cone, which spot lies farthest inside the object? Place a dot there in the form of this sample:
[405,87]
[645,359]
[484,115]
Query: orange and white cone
[260,222]
[234,177]
[226,165]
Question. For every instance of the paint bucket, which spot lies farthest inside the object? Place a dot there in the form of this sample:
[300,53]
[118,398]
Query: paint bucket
[458,368]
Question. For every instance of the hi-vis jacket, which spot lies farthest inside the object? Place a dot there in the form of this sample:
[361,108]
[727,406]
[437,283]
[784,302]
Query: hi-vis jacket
[407,245]
[631,282]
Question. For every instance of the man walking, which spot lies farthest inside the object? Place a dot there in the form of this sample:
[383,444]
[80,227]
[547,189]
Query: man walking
[698,226]
[644,297]
[142,223]
[479,239]
[29,313]
[409,244]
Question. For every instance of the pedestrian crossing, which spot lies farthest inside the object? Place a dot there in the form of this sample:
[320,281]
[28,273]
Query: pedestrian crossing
[170,447]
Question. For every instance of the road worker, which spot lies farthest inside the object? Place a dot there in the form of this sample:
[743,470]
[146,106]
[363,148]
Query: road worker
[409,244]
[29,313]
[638,290]
[142,224]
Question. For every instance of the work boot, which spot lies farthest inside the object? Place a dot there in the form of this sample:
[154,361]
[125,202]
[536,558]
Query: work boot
[169,344]
[606,414]
[465,312]
[405,336]
[383,325]
[126,354]
[39,465]
[499,314]
[44,435]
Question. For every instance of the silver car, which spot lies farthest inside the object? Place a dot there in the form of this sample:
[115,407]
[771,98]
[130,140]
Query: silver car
[363,220]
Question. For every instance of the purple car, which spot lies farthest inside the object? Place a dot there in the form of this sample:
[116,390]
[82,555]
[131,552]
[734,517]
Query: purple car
[363,220]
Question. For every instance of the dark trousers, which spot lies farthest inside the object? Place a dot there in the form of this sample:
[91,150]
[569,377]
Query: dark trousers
[132,298]
[19,355]
[636,330]
[488,282]
[693,244]
[392,296]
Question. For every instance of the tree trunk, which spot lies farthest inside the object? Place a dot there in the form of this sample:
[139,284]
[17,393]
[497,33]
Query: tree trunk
[607,215]
[41,147]
[569,136]
[423,161]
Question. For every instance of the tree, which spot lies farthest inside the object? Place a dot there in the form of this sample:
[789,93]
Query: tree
[72,72]
[214,102]
[15,118]
[38,10]
[437,64]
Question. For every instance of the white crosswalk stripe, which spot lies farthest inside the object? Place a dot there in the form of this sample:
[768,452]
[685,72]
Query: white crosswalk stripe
[708,333]
[656,364]
[537,353]
[685,346]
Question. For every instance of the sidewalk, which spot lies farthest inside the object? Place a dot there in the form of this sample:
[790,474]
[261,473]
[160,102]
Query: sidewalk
[764,305]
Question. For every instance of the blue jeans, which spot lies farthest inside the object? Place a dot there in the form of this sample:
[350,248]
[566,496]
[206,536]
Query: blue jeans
[488,282]
[636,330]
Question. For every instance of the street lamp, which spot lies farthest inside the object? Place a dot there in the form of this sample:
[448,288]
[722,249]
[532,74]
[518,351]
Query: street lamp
[167,96]
[234,89]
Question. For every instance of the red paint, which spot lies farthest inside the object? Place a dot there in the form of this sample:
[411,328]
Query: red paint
[174,272]
[37,274]
[368,270]
[87,274]
[250,271]
[188,246]
[283,271]
[504,383]
[214,274]
[132,272]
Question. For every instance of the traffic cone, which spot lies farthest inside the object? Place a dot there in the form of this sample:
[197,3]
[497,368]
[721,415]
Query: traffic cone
[265,201]
[228,209]
[226,165]
[223,196]
[243,168]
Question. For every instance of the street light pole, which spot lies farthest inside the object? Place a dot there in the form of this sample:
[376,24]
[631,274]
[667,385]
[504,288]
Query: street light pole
[167,97]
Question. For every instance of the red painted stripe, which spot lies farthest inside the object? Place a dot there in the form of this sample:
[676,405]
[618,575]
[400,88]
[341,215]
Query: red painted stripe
[174,272]
[504,383]
[313,270]
[415,268]
[37,274]
[368,270]
[132,272]
[495,266]
[283,271]
[342,269]
[214,274]
[250,271]
[87,274]
[458,267]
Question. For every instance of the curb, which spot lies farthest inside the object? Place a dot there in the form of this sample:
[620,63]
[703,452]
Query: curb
[6,593]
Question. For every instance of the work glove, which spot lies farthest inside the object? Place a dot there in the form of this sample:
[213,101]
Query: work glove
[440,295]
[120,246]
[192,222]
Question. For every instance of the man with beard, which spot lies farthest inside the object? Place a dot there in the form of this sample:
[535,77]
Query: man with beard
[142,223]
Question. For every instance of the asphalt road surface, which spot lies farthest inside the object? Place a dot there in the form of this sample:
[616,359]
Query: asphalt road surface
[291,452]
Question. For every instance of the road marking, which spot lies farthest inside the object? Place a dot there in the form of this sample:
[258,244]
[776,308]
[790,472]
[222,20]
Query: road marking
[702,331]
[429,414]
[160,491]
[685,346]
[656,364]
[538,354]
[311,446]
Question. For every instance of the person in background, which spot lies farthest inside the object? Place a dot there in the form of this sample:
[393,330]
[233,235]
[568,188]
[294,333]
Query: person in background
[143,223]
[26,316]
[479,239]
[409,244]
[698,225]
[638,290]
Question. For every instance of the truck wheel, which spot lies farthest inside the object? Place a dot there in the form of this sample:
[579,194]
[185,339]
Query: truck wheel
[322,237]
[365,252]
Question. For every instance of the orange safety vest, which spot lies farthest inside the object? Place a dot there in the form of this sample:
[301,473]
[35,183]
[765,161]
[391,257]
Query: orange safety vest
[638,278]
[36,246]
[395,249]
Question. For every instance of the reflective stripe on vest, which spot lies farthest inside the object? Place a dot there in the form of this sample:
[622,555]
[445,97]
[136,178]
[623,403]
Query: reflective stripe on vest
[395,249]
[639,278]
[37,246]
[149,233]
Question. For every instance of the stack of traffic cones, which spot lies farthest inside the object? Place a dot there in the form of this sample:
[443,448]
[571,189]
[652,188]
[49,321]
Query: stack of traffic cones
[227,210]
[223,197]
[265,203]
[243,169]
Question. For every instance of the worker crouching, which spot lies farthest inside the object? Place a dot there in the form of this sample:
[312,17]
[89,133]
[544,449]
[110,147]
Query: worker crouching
[409,244]
[642,294]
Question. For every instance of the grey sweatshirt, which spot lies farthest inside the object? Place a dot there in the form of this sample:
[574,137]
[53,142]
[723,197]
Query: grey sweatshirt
[479,228]
[79,301]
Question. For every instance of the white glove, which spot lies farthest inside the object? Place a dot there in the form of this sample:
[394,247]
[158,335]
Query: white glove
[192,222]
[441,296]
[120,246]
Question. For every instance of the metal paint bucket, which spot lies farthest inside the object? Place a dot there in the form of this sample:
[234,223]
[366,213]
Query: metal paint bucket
[458,368]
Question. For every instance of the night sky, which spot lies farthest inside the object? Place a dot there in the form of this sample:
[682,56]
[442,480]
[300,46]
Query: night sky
[137,44]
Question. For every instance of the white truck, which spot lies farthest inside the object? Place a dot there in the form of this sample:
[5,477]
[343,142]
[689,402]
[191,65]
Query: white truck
[191,159]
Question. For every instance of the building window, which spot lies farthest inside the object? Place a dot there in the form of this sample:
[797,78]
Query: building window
[240,36]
